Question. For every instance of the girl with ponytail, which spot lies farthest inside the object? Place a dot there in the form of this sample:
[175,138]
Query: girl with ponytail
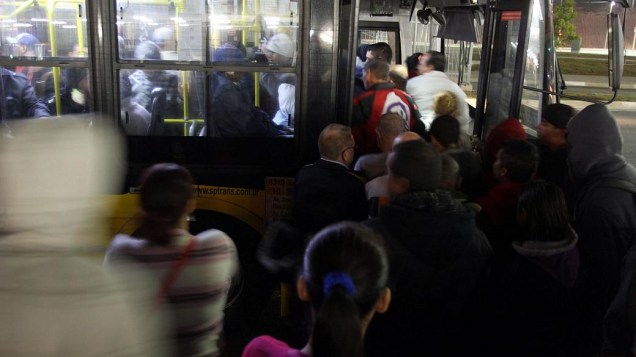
[344,277]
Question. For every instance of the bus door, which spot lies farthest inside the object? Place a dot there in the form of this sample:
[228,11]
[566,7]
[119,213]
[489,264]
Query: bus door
[503,63]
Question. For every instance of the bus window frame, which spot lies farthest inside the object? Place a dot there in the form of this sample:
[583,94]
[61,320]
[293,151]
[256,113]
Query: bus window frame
[494,27]
[206,65]
[387,26]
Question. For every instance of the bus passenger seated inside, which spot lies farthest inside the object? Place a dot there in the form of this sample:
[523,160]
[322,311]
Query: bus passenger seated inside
[18,99]
[143,85]
[233,113]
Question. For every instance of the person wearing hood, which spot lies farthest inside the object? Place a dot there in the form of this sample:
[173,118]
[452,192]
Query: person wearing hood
[18,99]
[143,82]
[604,212]
[534,298]
[439,260]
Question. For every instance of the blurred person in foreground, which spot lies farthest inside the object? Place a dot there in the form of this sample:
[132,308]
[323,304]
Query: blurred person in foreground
[55,299]
[192,274]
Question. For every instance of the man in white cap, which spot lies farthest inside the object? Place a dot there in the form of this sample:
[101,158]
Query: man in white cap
[280,50]
[281,87]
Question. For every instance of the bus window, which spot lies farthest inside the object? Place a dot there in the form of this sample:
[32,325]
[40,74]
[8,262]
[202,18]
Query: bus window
[161,102]
[253,24]
[72,84]
[53,32]
[254,34]
[175,27]
[502,73]
[248,83]
[41,30]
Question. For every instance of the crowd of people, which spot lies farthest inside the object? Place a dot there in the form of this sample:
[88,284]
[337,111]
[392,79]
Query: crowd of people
[29,91]
[502,258]
[520,247]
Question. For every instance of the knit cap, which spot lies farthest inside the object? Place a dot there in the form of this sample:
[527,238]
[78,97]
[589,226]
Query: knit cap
[26,39]
[282,45]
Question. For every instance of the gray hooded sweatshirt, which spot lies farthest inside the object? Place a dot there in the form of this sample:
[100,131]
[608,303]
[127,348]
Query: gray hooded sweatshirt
[604,214]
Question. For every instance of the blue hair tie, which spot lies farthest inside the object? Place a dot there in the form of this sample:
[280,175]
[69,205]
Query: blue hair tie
[332,280]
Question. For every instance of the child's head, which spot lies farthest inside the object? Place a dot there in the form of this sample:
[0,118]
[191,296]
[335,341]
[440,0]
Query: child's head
[444,132]
[445,103]
[345,273]
[517,161]
[542,211]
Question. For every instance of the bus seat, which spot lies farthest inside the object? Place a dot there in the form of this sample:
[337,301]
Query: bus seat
[157,108]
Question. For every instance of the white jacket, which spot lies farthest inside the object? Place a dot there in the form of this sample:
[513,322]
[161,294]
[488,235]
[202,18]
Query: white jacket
[423,89]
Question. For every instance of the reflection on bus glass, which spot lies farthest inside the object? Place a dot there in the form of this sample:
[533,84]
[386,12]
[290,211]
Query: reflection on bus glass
[249,100]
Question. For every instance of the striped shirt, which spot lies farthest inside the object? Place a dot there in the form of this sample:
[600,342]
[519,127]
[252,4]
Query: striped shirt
[196,299]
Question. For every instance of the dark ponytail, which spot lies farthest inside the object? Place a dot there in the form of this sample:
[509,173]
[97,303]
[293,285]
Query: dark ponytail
[345,270]
[337,326]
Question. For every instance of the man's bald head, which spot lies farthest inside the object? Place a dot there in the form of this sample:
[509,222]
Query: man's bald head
[404,137]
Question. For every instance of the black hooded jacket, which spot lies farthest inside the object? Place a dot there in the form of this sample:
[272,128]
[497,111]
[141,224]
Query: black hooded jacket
[439,263]
[18,97]
[533,301]
[604,215]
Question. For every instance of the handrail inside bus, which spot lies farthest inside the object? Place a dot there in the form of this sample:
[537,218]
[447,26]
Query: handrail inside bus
[573,97]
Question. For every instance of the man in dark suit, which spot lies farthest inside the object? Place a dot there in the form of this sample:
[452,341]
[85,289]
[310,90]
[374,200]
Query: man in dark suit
[327,191]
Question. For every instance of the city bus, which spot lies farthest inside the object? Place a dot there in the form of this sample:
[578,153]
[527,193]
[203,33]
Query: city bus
[156,67]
